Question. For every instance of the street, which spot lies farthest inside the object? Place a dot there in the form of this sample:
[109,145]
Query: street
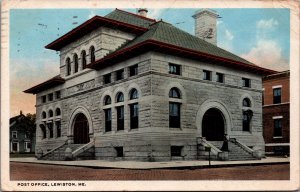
[30,171]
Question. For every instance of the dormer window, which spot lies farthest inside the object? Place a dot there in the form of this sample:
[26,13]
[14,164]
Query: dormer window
[92,54]
[83,59]
[68,65]
[75,58]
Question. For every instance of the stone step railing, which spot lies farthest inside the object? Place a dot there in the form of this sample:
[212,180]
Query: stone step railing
[83,148]
[52,150]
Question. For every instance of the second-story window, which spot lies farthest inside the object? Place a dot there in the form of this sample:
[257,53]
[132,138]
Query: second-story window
[68,65]
[14,134]
[276,95]
[75,58]
[50,97]
[133,70]
[57,94]
[44,99]
[277,128]
[107,78]
[119,74]
[92,54]
[246,82]
[206,75]
[174,69]
[83,59]
[220,77]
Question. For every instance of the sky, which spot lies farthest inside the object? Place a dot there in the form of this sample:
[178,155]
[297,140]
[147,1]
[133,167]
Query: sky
[261,36]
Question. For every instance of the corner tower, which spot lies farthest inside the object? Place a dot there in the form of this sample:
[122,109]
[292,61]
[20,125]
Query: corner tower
[206,25]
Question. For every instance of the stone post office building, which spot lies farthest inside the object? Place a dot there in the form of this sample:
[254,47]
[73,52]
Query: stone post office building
[133,88]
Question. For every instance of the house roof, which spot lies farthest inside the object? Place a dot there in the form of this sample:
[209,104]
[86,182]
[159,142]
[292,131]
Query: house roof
[164,37]
[130,18]
[117,19]
[15,118]
[57,80]
[282,74]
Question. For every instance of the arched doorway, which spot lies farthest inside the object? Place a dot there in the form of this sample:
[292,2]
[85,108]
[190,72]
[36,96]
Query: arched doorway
[81,129]
[213,125]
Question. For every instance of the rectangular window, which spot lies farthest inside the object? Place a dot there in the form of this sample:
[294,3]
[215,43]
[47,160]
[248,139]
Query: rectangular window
[277,128]
[27,146]
[43,128]
[120,75]
[206,75]
[246,82]
[107,78]
[174,115]
[44,99]
[120,118]
[107,120]
[134,116]
[246,121]
[276,95]
[119,151]
[14,135]
[50,97]
[58,129]
[176,151]
[133,70]
[220,77]
[14,147]
[50,127]
[57,94]
[174,69]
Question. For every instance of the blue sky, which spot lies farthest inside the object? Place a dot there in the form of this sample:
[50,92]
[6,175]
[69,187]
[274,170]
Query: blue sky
[259,35]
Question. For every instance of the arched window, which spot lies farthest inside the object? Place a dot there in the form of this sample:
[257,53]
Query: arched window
[134,94]
[57,112]
[107,100]
[75,58]
[83,59]
[44,115]
[174,108]
[92,54]
[50,113]
[246,102]
[247,114]
[174,93]
[120,97]
[68,64]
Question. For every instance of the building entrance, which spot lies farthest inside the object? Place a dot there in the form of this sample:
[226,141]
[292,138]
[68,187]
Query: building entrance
[213,125]
[81,130]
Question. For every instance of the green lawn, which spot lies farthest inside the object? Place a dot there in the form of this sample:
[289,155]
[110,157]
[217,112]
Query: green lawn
[19,155]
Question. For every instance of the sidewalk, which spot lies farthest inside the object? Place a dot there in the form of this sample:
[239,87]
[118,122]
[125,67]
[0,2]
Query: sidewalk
[155,165]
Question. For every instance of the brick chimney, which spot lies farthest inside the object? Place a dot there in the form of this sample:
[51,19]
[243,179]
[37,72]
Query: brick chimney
[206,25]
[142,12]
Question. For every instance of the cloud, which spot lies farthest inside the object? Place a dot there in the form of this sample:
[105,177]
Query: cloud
[155,13]
[226,43]
[266,51]
[219,22]
[266,24]
[229,36]
[268,54]
[24,74]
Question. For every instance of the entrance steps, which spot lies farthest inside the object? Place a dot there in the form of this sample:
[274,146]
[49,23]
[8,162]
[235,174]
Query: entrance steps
[237,151]
[79,152]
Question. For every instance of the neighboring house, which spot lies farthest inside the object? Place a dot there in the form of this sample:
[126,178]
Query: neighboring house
[276,112]
[21,134]
[134,88]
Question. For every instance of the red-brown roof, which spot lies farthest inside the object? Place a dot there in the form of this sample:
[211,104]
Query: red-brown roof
[90,25]
[57,80]
[161,47]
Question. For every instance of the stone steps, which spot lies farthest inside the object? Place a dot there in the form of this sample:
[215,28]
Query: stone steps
[59,154]
[237,153]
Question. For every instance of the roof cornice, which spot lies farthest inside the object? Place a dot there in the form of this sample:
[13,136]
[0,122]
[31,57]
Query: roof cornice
[90,25]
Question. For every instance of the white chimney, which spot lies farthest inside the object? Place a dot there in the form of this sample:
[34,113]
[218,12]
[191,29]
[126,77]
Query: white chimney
[206,25]
[142,12]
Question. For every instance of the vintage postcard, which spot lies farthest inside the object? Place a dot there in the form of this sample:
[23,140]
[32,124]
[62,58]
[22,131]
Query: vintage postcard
[145,95]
